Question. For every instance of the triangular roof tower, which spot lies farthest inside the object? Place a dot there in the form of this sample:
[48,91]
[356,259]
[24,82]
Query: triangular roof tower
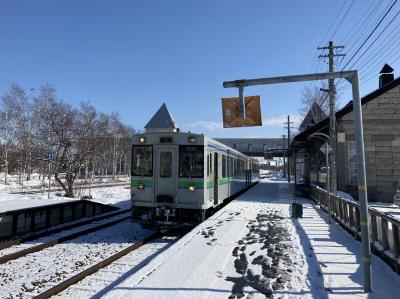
[386,69]
[162,121]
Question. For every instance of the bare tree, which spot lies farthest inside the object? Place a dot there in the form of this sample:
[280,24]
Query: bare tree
[80,138]
[313,94]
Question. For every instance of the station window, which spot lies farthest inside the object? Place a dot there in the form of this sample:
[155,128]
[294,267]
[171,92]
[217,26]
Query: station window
[191,161]
[142,160]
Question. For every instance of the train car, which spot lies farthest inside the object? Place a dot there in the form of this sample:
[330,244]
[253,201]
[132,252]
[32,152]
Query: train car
[181,177]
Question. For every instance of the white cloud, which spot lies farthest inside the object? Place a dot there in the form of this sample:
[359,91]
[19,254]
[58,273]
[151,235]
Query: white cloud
[211,126]
[278,121]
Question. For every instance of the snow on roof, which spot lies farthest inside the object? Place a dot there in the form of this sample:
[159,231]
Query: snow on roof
[162,120]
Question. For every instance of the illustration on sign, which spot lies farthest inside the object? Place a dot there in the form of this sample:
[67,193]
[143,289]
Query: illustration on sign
[231,112]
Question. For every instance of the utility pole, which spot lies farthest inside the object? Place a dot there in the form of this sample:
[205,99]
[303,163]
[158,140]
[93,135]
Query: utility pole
[288,123]
[332,111]
[283,154]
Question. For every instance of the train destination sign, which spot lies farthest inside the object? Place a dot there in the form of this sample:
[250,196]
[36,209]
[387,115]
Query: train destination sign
[231,112]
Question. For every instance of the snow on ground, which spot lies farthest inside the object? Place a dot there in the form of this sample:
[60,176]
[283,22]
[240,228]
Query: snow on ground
[248,248]
[334,257]
[36,272]
[118,196]
[97,284]
[251,248]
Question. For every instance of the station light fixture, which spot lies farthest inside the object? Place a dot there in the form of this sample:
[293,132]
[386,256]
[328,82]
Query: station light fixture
[140,186]
[191,188]
[142,139]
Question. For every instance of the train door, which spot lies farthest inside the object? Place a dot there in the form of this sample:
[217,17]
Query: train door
[165,176]
[216,178]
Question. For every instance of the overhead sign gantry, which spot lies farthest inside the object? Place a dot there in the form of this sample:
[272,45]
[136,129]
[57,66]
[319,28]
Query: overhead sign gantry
[353,78]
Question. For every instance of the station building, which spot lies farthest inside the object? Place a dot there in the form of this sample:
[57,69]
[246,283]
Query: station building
[381,121]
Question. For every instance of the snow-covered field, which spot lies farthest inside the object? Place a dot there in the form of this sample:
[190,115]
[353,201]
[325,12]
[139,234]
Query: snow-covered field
[36,272]
[118,196]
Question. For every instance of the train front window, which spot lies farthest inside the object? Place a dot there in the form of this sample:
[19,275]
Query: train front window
[142,160]
[191,161]
[165,164]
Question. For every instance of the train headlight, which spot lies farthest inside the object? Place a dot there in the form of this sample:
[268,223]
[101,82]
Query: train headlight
[140,186]
[191,188]
[142,139]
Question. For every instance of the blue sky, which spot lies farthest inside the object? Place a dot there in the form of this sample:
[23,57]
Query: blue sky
[131,56]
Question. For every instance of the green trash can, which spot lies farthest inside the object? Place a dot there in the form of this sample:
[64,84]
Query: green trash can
[297,210]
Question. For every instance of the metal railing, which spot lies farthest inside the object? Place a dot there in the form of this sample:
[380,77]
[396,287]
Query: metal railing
[384,228]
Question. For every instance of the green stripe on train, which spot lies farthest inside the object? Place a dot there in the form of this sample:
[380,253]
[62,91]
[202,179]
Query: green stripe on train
[225,181]
[194,184]
[146,183]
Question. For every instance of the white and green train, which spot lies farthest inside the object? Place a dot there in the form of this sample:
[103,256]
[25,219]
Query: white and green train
[180,177]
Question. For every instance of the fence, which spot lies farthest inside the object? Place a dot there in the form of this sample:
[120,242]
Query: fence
[384,229]
[19,222]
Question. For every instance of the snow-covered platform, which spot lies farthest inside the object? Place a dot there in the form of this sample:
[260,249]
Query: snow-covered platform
[15,203]
[253,249]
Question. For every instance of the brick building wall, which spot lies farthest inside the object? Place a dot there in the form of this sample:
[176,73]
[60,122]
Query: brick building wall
[381,119]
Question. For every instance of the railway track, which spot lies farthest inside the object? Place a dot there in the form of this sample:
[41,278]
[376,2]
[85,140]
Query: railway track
[65,236]
[54,266]
[93,269]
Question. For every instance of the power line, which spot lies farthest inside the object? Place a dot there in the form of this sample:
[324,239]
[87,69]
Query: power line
[369,36]
[361,31]
[380,34]
[334,21]
[341,21]
[365,15]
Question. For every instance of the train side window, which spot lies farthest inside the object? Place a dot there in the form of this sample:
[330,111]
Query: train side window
[191,161]
[208,165]
[223,166]
[142,160]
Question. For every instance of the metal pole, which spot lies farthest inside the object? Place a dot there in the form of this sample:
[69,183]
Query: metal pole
[362,184]
[328,187]
[242,103]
